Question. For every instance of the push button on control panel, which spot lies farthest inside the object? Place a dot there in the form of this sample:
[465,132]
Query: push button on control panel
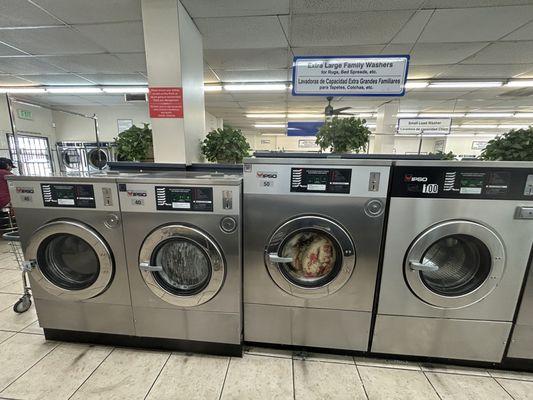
[374,208]
[228,224]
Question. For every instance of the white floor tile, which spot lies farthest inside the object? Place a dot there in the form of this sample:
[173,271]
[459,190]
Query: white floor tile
[190,377]
[19,353]
[325,380]
[4,335]
[519,390]
[454,369]
[7,300]
[33,328]
[265,351]
[386,363]
[59,373]
[324,357]
[257,377]
[11,321]
[524,376]
[125,374]
[8,276]
[466,387]
[396,384]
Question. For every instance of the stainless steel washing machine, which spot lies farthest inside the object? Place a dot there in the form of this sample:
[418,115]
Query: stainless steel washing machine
[98,155]
[182,235]
[71,157]
[312,244]
[71,232]
[457,246]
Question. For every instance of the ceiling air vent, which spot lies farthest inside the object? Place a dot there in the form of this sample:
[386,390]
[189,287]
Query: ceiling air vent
[129,97]
[523,92]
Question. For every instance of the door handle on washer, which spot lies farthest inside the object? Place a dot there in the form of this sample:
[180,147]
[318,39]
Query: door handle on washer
[151,268]
[417,266]
[273,257]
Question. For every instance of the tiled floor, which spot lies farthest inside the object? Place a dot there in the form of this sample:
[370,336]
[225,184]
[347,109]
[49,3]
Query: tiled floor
[33,368]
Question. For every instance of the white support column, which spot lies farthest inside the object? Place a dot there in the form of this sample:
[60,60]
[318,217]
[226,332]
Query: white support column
[386,128]
[174,59]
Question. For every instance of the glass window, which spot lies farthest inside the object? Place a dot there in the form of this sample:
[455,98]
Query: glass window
[463,262]
[316,258]
[68,262]
[186,267]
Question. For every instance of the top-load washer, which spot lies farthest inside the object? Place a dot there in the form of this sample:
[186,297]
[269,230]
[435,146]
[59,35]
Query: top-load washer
[70,231]
[311,250]
[457,246]
[182,235]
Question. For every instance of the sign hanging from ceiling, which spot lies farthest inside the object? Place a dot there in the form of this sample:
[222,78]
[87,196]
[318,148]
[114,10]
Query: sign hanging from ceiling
[165,102]
[295,128]
[350,76]
[413,126]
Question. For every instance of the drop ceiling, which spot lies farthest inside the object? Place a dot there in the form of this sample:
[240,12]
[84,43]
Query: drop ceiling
[80,42]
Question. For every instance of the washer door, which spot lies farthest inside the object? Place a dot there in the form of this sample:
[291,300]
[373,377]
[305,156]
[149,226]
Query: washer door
[310,257]
[182,265]
[73,261]
[97,158]
[71,158]
[455,264]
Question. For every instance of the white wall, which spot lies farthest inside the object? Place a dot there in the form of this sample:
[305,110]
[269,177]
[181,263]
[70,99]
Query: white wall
[75,128]
[212,122]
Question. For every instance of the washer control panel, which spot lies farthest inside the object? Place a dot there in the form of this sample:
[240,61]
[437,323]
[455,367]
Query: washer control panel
[321,180]
[463,182]
[177,198]
[68,195]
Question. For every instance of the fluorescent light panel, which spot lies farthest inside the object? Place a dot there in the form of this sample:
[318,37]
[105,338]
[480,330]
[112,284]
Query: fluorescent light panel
[416,84]
[520,83]
[74,89]
[266,115]
[489,115]
[212,88]
[465,84]
[29,90]
[441,115]
[270,125]
[125,89]
[256,87]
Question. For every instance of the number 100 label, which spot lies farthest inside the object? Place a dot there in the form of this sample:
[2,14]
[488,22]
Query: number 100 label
[430,188]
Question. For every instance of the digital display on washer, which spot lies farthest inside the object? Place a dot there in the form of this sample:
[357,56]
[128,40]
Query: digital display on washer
[173,198]
[65,195]
[321,180]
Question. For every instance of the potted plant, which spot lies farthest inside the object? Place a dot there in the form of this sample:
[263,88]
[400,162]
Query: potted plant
[135,144]
[343,135]
[516,145]
[225,146]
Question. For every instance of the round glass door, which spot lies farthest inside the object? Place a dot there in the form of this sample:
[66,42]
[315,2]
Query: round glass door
[71,158]
[72,260]
[182,265]
[97,158]
[310,257]
[455,264]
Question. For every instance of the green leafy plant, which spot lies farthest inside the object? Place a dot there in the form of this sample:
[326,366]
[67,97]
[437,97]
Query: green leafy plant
[444,156]
[225,146]
[343,135]
[516,145]
[135,143]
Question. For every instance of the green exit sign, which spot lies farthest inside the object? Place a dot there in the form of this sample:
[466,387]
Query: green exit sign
[25,114]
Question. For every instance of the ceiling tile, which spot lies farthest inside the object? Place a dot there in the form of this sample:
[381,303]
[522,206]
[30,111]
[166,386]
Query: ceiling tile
[23,13]
[251,59]
[523,33]
[241,32]
[434,95]
[253,75]
[121,37]
[321,6]
[337,50]
[209,76]
[474,24]
[472,3]
[27,65]
[413,28]
[57,79]
[235,8]
[347,28]
[15,81]
[443,53]
[426,71]
[504,53]
[49,41]
[135,61]
[116,79]
[8,51]
[83,11]
[272,96]
[91,64]
[463,71]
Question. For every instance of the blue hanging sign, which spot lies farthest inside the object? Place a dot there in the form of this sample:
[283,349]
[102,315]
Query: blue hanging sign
[303,128]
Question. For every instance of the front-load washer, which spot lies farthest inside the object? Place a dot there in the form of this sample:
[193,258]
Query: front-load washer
[457,246]
[71,233]
[311,250]
[98,155]
[71,156]
[183,243]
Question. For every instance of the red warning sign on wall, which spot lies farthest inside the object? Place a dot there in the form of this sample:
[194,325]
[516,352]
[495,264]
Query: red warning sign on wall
[165,102]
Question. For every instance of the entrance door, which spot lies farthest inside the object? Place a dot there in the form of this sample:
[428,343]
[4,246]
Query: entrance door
[182,265]
[72,260]
[310,256]
[455,264]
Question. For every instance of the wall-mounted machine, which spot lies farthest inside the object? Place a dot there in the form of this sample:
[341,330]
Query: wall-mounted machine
[314,231]
[183,240]
[71,232]
[71,157]
[457,246]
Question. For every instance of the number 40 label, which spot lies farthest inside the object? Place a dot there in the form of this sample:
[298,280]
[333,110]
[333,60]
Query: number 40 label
[430,188]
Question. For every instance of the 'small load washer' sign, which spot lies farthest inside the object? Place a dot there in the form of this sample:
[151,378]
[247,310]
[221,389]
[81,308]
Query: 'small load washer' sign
[350,76]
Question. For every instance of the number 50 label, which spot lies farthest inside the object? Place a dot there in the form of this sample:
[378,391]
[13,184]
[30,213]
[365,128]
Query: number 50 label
[430,188]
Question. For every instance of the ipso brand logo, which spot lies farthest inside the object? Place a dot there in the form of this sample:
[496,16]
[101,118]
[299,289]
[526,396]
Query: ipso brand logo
[24,190]
[411,178]
[267,175]
[132,193]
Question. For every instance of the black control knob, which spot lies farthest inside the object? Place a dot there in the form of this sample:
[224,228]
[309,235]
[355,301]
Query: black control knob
[228,224]
[374,208]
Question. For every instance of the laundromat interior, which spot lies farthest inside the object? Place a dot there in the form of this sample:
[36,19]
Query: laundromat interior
[266,199]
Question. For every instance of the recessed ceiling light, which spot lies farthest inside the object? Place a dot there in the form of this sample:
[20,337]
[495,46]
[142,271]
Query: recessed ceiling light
[74,89]
[406,115]
[513,126]
[256,87]
[520,83]
[28,90]
[306,116]
[466,84]
[441,115]
[489,115]
[479,126]
[416,84]
[270,125]
[523,115]
[112,89]
[266,115]
[212,88]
